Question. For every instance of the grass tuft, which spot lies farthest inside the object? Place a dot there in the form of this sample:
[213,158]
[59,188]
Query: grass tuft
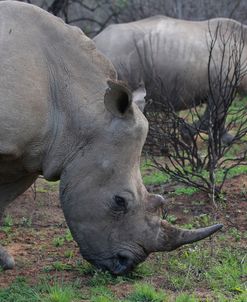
[146,293]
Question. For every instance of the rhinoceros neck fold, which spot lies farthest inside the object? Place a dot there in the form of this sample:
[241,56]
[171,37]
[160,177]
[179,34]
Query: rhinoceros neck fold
[68,137]
[75,111]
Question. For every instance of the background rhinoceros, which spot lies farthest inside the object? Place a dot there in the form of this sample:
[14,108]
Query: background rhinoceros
[61,116]
[168,60]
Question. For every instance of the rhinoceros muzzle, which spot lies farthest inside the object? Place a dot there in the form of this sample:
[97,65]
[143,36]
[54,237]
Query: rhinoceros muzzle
[120,264]
[168,239]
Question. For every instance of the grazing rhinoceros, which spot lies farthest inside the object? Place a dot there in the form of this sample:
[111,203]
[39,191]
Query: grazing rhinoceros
[64,115]
[174,53]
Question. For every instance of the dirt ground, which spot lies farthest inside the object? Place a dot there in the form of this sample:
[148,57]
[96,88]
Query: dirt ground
[38,220]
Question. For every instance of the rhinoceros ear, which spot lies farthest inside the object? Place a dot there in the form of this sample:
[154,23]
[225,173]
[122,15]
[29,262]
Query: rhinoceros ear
[139,96]
[117,98]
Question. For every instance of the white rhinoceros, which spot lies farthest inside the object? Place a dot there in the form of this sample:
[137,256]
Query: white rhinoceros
[167,60]
[64,115]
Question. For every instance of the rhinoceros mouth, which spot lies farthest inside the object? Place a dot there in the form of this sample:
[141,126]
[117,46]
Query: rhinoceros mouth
[120,264]
[116,265]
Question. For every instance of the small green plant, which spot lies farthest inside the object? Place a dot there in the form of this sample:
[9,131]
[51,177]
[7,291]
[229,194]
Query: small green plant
[171,218]
[69,254]
[58,241]
[68,236]
[102,294]
[8,221]
[58,293]
[44,186]
[198,202]
[238,170]
[102,299]
[188,226]
[144,270]
[235,233]
[146,293]
[186,298]
[85,268]
[156,178]
[101,278]
[185,190]
[60,266]
[7,225]
[202,220]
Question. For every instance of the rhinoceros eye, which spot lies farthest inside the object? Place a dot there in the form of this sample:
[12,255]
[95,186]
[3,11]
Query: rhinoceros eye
[121,203]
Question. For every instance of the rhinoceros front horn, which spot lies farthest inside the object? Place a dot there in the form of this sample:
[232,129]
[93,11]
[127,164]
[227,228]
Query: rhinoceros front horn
[170,237]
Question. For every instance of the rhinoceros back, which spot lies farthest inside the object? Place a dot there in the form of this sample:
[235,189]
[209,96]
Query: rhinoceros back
[169,55]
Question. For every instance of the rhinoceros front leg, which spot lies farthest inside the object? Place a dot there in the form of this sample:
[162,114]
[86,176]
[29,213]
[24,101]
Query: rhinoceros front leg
[6,260]
[203,125]
[8,192]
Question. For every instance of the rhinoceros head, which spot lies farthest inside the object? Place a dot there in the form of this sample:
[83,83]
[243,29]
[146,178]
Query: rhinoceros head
[112,217]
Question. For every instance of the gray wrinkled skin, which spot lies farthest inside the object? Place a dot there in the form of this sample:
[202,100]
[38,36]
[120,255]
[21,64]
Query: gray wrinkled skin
[170,56]
[61,116]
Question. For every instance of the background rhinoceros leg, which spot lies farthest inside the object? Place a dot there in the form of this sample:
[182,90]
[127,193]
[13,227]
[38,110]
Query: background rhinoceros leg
[8,192]
[6,260]
[203,125]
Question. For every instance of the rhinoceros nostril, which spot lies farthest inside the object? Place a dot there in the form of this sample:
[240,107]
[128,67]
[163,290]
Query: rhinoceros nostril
[123,260]
[122,264]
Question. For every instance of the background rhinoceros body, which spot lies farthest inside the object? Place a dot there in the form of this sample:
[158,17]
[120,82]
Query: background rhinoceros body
[170,57]
[62,117]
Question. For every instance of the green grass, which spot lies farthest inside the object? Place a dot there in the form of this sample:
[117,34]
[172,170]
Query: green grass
[185,191]
[238,170]
[226,274]
[100,279]
[19,291]
[8,221]
[171,219]
[186,298]
[68,236]
[58,241]
[220,173]
[185,272]
[7,224]
[44,186]
[57,293]
[152,176]
[58,266]
[146,293]
[197,267]
[102,294]
[202,220]
[156,178]
[69,254]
